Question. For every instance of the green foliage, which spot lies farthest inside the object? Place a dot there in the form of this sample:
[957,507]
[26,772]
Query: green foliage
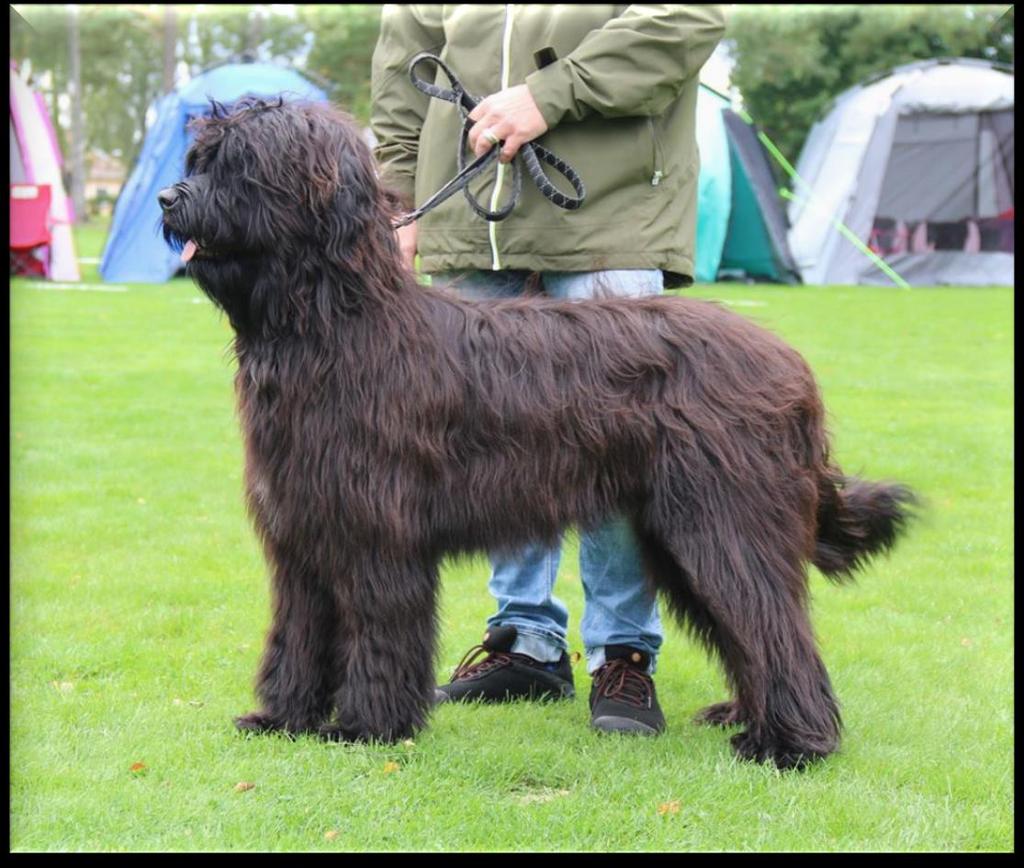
[121,75]
[791,61]
[221,33]
[121,71]
[342,49]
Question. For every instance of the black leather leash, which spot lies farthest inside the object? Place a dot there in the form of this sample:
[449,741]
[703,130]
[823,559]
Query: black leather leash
[532,154]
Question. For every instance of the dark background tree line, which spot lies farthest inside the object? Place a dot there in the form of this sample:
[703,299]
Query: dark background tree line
[791,61]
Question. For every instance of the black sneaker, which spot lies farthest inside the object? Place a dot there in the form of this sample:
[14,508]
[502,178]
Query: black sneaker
[503,676]
[622,696]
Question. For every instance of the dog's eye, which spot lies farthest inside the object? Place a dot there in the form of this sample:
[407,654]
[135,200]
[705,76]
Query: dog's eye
[198,161]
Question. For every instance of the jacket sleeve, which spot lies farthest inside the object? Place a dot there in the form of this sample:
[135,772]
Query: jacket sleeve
[398,108]
[636,64]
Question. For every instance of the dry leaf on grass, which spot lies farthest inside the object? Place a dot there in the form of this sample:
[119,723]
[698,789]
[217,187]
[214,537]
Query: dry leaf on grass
[242,786]
[331,834]
[137,768]
[666,808]
[545,794]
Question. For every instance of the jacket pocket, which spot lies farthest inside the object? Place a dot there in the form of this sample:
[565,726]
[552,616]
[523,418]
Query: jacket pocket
[657,163]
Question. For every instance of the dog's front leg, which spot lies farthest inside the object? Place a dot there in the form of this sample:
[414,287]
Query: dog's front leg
[299,671]
[388,606]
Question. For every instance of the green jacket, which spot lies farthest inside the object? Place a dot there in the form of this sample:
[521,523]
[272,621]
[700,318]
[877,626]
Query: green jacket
[620,105]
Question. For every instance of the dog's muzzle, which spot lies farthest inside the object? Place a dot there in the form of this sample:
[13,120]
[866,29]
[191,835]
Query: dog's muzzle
[168,198]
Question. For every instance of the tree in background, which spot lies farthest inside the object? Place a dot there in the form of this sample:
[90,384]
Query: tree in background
[343,41]
[124,70]
[792,61]
[224,33]
[121,73]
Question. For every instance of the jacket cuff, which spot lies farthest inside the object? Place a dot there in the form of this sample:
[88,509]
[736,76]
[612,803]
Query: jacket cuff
[401,184]
[552,90]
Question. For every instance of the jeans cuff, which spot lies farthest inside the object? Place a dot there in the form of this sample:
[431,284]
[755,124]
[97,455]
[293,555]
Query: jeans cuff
[540,646]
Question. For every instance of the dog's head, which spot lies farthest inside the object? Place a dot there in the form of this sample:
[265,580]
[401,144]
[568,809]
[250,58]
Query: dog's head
[270,186]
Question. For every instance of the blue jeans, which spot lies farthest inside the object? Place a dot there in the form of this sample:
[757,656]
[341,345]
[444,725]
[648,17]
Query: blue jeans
[619,606]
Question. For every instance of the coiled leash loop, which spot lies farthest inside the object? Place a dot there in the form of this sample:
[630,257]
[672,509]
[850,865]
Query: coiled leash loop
[531,152]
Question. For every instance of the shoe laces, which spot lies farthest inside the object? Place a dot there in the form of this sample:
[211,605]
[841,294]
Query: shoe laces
[618,680]
[493,660]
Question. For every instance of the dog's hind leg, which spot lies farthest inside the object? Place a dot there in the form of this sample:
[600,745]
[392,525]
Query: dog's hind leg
[296,677]
[739,583]
[389,608]
[677,586]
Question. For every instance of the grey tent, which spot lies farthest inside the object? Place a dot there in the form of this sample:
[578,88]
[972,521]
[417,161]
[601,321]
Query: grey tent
[918,163]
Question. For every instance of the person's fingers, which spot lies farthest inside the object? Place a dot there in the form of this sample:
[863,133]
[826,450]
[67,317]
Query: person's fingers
[511,147]
[483,136]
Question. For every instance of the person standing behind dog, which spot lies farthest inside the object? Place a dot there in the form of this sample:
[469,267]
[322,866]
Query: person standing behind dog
[616,98]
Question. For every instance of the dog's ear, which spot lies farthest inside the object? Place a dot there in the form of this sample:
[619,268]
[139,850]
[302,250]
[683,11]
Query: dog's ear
[345,189]
[351,205]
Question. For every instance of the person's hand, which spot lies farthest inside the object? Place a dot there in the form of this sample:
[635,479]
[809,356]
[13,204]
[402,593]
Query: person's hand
[511,116]
[407,244]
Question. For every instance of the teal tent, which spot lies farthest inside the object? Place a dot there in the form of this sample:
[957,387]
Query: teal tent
[741,224]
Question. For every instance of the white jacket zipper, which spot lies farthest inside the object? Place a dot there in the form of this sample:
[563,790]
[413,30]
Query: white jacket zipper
[506,42]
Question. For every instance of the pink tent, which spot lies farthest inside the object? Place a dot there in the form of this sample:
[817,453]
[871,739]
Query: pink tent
[36,160]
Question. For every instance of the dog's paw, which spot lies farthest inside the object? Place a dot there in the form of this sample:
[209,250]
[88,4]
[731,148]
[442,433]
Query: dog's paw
[784,755]
[333,732]
[720,714]
[258,721]
[361,735]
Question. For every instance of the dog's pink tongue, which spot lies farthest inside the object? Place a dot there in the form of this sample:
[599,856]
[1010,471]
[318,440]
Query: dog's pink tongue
[189,250]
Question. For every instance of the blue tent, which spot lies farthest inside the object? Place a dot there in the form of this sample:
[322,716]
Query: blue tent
[135,251]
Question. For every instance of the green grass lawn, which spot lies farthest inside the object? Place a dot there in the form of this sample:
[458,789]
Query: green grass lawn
[139,601]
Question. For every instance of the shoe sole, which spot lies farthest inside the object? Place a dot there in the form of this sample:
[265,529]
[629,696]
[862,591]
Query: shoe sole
[547,696]
[624,725]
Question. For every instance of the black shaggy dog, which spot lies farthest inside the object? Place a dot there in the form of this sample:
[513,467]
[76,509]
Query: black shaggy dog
[388,425]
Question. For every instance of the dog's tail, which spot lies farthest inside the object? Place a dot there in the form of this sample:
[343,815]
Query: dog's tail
[857,520]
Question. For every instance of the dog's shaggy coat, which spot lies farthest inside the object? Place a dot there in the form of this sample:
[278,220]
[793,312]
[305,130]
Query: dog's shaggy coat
[388,424]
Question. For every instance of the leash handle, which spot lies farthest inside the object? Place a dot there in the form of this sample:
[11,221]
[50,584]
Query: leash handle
[532,155]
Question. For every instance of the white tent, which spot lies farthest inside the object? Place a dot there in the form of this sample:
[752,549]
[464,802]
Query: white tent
[919,165]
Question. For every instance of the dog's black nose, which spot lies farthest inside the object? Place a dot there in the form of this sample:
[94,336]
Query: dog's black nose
[167,197]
